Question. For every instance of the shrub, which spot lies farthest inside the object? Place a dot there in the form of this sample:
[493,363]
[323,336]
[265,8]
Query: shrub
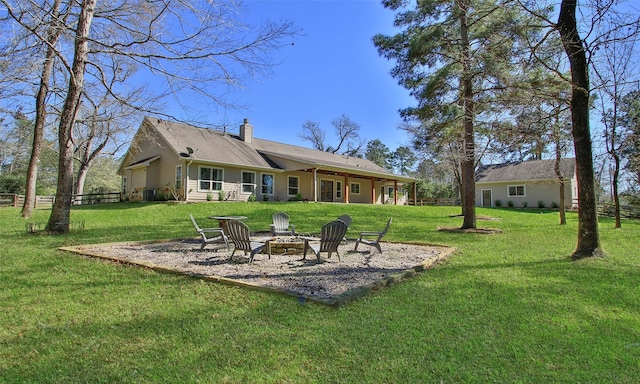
[525,204]
[540,204]
[252,197]
[498,203]
[209,196]
[297,197]
[160,196]
[221,195]
[554,205]
[510,204]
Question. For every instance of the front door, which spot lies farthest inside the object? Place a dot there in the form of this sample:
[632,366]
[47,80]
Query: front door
[326,190]
[486,198]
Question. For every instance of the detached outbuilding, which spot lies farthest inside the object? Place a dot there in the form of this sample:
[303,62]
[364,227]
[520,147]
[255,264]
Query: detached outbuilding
[527,184]
[198,164]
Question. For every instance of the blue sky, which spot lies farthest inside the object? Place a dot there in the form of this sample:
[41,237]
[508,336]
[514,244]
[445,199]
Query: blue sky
[332,69]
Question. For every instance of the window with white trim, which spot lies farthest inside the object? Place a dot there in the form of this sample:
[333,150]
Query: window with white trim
[178,181]
[211,179]
[390,192]
[124,185]
[294,185]
[516,191]
[354,188]
[267,184]
[248,182]
[338,189]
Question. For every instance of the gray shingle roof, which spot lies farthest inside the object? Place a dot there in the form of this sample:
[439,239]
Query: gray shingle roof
[224,148]
[525,170]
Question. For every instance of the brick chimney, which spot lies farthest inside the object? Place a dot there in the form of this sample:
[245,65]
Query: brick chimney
[246,132]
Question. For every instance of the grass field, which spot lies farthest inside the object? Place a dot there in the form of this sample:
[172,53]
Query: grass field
[506,308]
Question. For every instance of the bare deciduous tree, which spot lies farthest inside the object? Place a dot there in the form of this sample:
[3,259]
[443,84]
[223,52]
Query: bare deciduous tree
[347,133]
[615,71]
[195,49]
[312,133]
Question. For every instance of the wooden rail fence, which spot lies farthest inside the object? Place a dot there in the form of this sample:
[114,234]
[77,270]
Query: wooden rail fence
[628,211]
[15,200]
[434,201]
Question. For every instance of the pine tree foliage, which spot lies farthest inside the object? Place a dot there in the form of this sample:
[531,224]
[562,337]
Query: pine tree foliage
[456,58]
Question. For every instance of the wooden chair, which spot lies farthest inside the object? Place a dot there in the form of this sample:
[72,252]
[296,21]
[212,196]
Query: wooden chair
[281,225]
[331,236]
[375,237]
[219,236]
[347,220]
[239,235]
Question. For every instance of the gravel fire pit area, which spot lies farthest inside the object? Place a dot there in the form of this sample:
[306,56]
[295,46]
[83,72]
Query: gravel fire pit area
[329,281]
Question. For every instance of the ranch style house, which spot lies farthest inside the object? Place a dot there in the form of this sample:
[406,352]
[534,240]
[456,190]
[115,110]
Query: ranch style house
[188,163]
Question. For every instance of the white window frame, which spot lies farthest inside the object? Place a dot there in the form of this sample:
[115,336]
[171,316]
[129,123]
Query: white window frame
[516,186]
[338,190]
[263,185]
[252,184]
[390,191]
[352,190]
[296,188]
[124,185]
[178,178]
[213,182]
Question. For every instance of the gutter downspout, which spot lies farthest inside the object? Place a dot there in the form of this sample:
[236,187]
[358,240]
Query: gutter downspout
[186,184]
[315,183]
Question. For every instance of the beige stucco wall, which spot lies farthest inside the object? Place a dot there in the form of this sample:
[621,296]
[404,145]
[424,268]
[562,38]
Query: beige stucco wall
[160,173]
[546,192]
[232,186]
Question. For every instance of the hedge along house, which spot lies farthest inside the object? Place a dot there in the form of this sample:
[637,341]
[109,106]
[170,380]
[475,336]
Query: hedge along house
[526,184]
[198,164]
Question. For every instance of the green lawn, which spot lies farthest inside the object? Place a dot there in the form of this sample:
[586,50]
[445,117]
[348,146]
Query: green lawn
[506,308]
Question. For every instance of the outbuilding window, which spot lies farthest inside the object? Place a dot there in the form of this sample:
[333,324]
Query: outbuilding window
[516,190]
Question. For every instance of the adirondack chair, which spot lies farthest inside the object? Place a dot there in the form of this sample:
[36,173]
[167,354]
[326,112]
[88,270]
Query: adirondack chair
[373,238]
[239,235]
[347,220]
[281,225]
[205,233]
[330,237]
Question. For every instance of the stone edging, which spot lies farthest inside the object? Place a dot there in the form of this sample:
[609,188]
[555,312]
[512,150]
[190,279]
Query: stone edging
[334,301]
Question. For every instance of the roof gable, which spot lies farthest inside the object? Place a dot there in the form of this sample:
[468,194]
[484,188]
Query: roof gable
[524,171]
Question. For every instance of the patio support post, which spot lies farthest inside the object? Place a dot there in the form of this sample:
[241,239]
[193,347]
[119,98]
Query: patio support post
[346,188]
[315,185]
[395,192]
[373,190]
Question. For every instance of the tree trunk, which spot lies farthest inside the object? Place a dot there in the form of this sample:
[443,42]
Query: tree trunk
[54,32]
[559,175]
[616,197]
[588,238]
[82,176]
[61,212]
[468,160]
[563,217]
